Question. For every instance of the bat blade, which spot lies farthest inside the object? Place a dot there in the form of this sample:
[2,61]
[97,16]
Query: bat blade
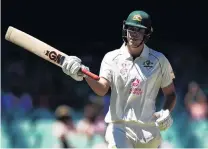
[39,48]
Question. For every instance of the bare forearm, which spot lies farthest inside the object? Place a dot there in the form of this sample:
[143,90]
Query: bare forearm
[99,87]
[170,102]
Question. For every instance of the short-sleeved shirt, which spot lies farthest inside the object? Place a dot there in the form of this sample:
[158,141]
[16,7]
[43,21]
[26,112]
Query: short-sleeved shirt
[134,83]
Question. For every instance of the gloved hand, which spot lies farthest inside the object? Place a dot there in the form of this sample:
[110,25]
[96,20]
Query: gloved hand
[164,119]
[71,66]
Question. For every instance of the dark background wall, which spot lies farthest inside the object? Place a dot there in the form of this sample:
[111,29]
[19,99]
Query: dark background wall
[57,22]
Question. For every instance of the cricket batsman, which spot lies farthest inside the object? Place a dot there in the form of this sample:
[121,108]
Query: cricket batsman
[135,73]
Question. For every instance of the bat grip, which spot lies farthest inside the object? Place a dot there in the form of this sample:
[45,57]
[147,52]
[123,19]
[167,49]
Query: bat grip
[90,74]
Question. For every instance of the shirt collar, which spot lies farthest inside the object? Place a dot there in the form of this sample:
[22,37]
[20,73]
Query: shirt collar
[124,51]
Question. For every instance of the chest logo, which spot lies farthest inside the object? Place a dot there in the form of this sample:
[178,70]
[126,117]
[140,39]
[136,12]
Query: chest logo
[148,64]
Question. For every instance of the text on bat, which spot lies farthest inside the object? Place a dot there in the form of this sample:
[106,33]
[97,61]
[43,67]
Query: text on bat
[58,58]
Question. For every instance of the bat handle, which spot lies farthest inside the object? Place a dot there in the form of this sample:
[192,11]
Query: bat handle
[90,74]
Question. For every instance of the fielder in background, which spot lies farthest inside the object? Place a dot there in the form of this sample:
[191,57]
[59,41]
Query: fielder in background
[135,74]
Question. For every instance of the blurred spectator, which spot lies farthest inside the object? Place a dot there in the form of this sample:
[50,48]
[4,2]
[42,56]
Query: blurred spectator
[99,102]
[197,125]
[196,102]
[93,122]
[16,101]
[42,108]
[63,127]
[17,104]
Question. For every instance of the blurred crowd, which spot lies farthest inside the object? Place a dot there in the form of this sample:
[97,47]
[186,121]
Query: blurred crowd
[41,107]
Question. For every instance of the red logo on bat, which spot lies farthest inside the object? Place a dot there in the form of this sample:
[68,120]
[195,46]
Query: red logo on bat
[58,58]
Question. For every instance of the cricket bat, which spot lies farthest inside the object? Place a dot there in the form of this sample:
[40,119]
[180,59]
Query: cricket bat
[40,48]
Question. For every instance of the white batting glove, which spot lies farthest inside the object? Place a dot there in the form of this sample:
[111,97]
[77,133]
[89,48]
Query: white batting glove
[164,119]
[71,66]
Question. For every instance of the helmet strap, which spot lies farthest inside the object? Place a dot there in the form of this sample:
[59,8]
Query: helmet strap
[124,32]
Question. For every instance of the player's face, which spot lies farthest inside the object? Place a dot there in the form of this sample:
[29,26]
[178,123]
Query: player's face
[135,36]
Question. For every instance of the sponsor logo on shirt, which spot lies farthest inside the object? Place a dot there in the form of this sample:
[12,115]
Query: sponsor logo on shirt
[135,87]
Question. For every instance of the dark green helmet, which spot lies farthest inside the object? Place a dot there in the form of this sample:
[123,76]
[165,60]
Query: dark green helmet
[138,19]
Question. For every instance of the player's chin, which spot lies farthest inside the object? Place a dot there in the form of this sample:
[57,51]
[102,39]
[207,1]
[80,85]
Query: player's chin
[135,45]
[134,42]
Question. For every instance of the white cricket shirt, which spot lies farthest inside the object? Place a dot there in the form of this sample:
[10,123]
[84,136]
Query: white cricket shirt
[134,83]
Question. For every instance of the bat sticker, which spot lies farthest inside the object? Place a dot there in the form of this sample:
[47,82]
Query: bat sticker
[58,58]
